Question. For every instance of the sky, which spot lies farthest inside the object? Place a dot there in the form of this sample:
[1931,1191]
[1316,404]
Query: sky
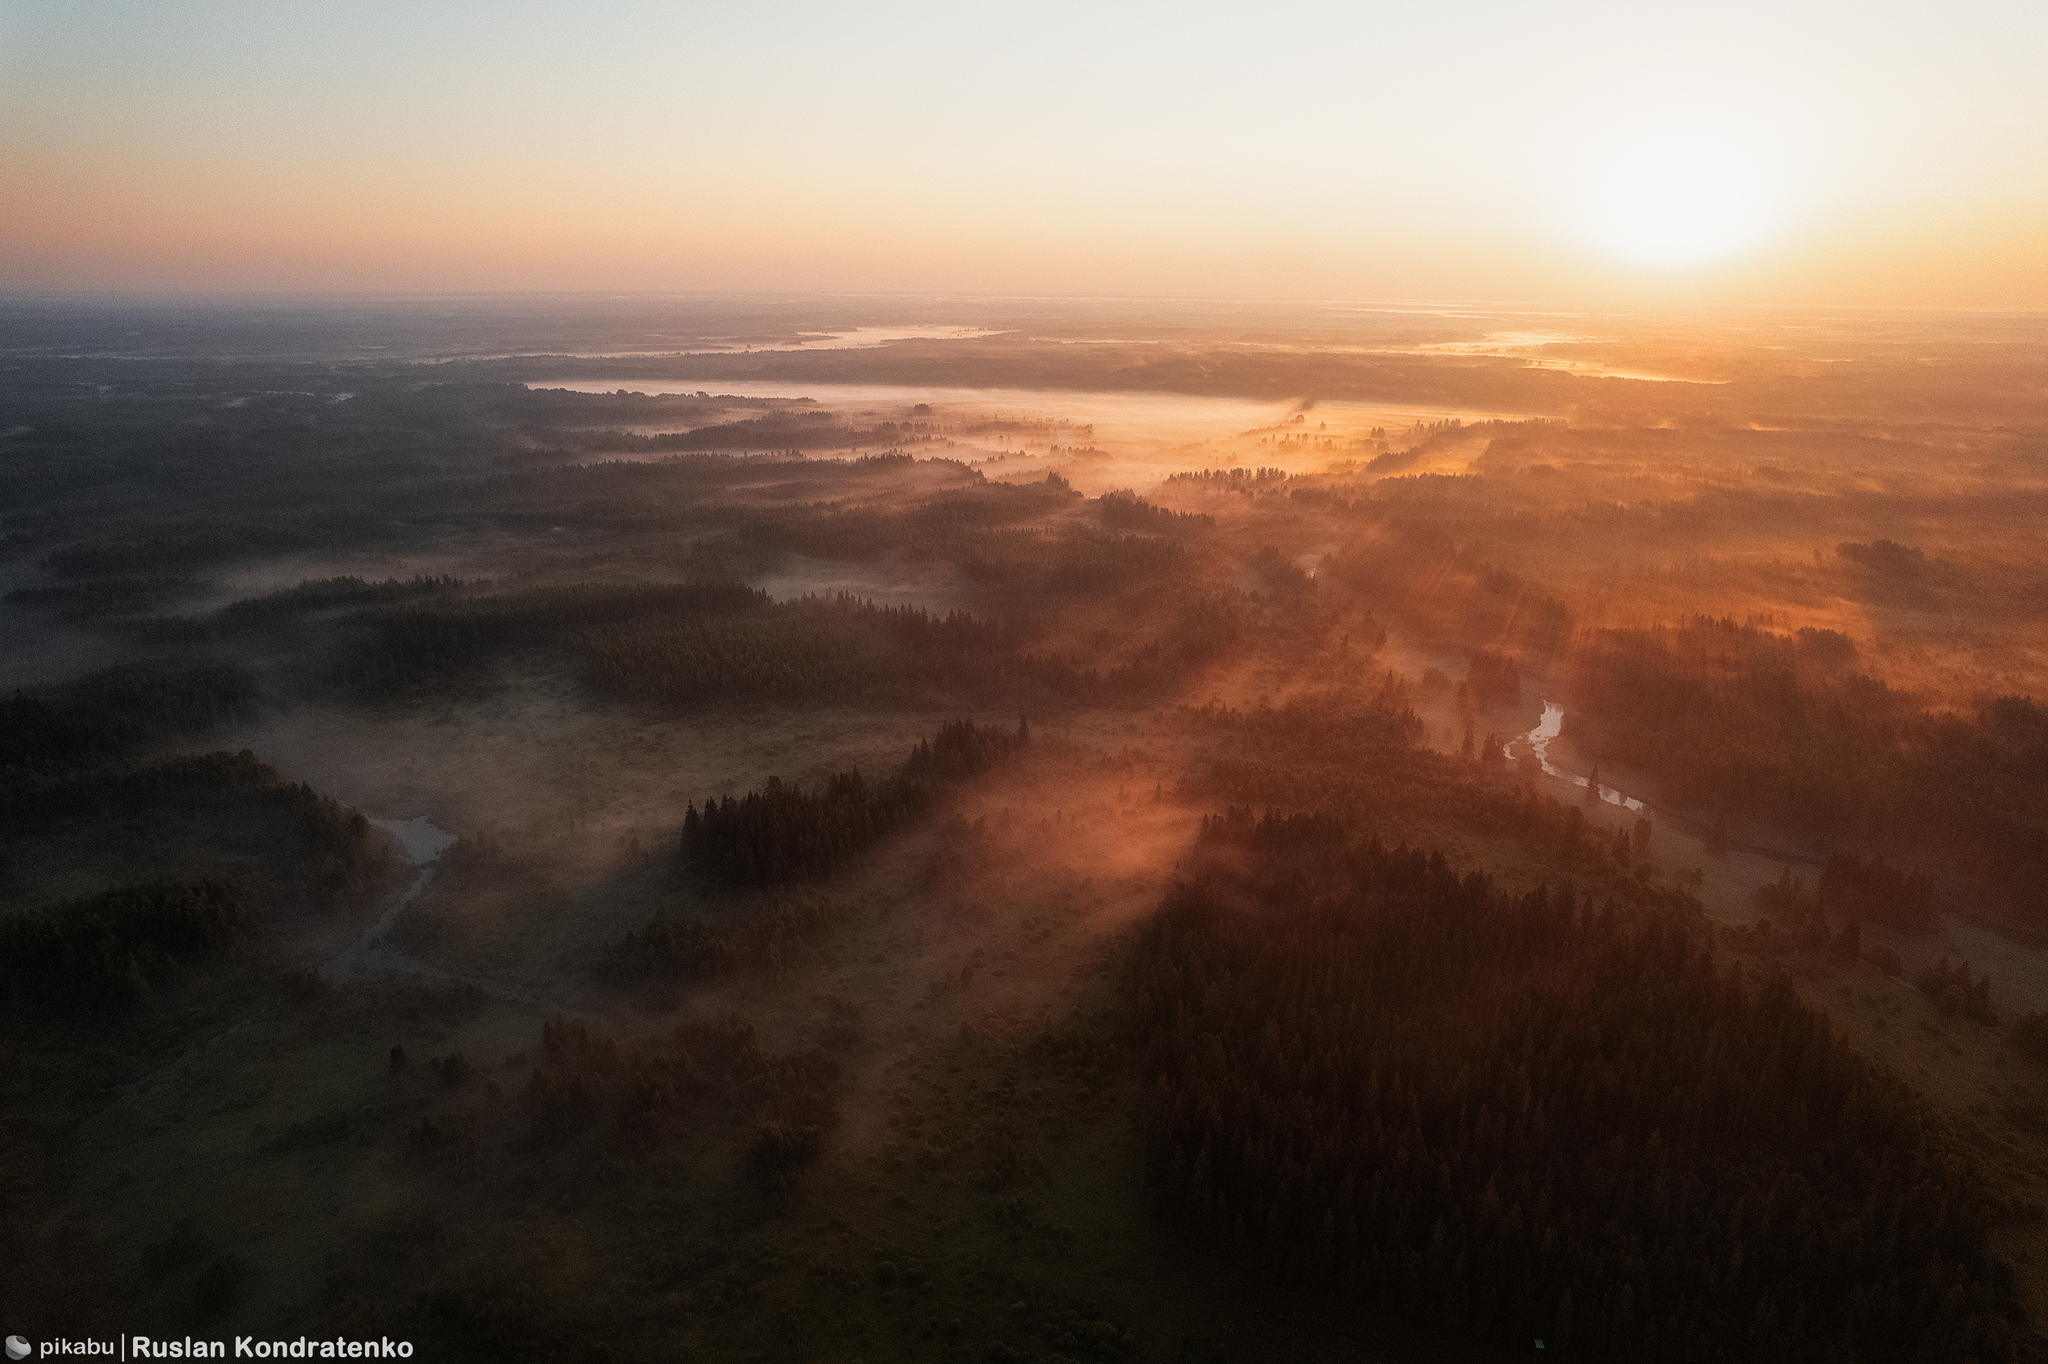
[1868,154]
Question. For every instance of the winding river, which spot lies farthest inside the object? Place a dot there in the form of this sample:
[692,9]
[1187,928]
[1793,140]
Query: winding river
[370,955]
[1548,728]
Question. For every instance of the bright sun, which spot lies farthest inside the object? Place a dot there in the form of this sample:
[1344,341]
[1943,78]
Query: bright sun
[1677,203]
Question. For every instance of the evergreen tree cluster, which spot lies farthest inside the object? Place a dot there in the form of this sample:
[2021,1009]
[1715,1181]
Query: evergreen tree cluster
[2029,1036]
[944,527]
[1127,511]
[327,594]
[819,648]
[784,833]
[111,947]
[631,1095]
[1850,892]
[113,710]
[810,648]
[781,433]
[1330,753]
[1532,1118]
[1415,573]
[108,599]
[1870,891]
[772,939]
[1106,564]
[1955,991]
[1494,677]
[1730,717]
[1233,479]
[398,645]
[228,812]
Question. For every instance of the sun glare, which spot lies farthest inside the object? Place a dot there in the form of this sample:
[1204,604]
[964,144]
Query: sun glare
[1677,203]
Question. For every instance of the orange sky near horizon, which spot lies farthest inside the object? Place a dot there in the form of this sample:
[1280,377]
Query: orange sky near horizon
[1791,153]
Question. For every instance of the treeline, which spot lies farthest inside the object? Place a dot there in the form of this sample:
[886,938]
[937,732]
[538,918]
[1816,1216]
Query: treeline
[807,649]
[326,594]
[1955,990]
[1336,753]
[1733,718]
[837,531]
[1107,564]
[401,645]
[1417,574]
[675,949]
[832,648]
[781,432]
[675,643]
[225,807]
[1875,893]
[1127,511]
[349,637]
[627,1097]
[102,599]
[784,833]
[1856,891]
[1493,678]
[1528,1117]
[1281,575]
[72,767]
[175,553]
[331,490]
[111,711]
[111,948]
[1232,479]
[979,538]
[1429,438]
[1888,558]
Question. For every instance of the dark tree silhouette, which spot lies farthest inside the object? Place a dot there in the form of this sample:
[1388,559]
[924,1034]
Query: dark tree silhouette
[1531,1117]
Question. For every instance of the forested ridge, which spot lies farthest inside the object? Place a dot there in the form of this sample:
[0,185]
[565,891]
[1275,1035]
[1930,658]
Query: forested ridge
[1528,1116]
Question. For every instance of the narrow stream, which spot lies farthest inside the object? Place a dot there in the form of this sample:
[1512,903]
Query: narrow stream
[1548,728]
[370,955]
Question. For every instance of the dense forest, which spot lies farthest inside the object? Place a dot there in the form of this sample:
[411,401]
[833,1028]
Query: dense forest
[345,639]
[1783,728]
[1853,892]
[1439,1056]
[783,833]
[193,847]
[109,948]
[1127,511]
[1532,1116]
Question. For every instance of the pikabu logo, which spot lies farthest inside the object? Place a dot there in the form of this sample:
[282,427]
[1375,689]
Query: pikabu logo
[248,1347]
[17,1348]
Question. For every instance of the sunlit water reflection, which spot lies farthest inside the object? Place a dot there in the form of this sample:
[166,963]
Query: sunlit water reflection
[1539,739]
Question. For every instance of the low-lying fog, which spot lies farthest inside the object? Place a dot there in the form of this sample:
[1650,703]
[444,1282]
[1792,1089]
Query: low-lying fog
[1788,584]
[1153,434]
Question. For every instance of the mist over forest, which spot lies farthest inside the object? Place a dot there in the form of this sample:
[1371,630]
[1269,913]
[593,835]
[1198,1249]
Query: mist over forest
[831,829]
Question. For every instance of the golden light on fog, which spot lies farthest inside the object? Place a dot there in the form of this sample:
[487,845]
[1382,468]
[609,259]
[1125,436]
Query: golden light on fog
[1679,202]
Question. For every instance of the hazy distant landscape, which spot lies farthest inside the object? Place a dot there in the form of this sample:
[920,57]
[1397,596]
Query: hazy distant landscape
[962,828]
